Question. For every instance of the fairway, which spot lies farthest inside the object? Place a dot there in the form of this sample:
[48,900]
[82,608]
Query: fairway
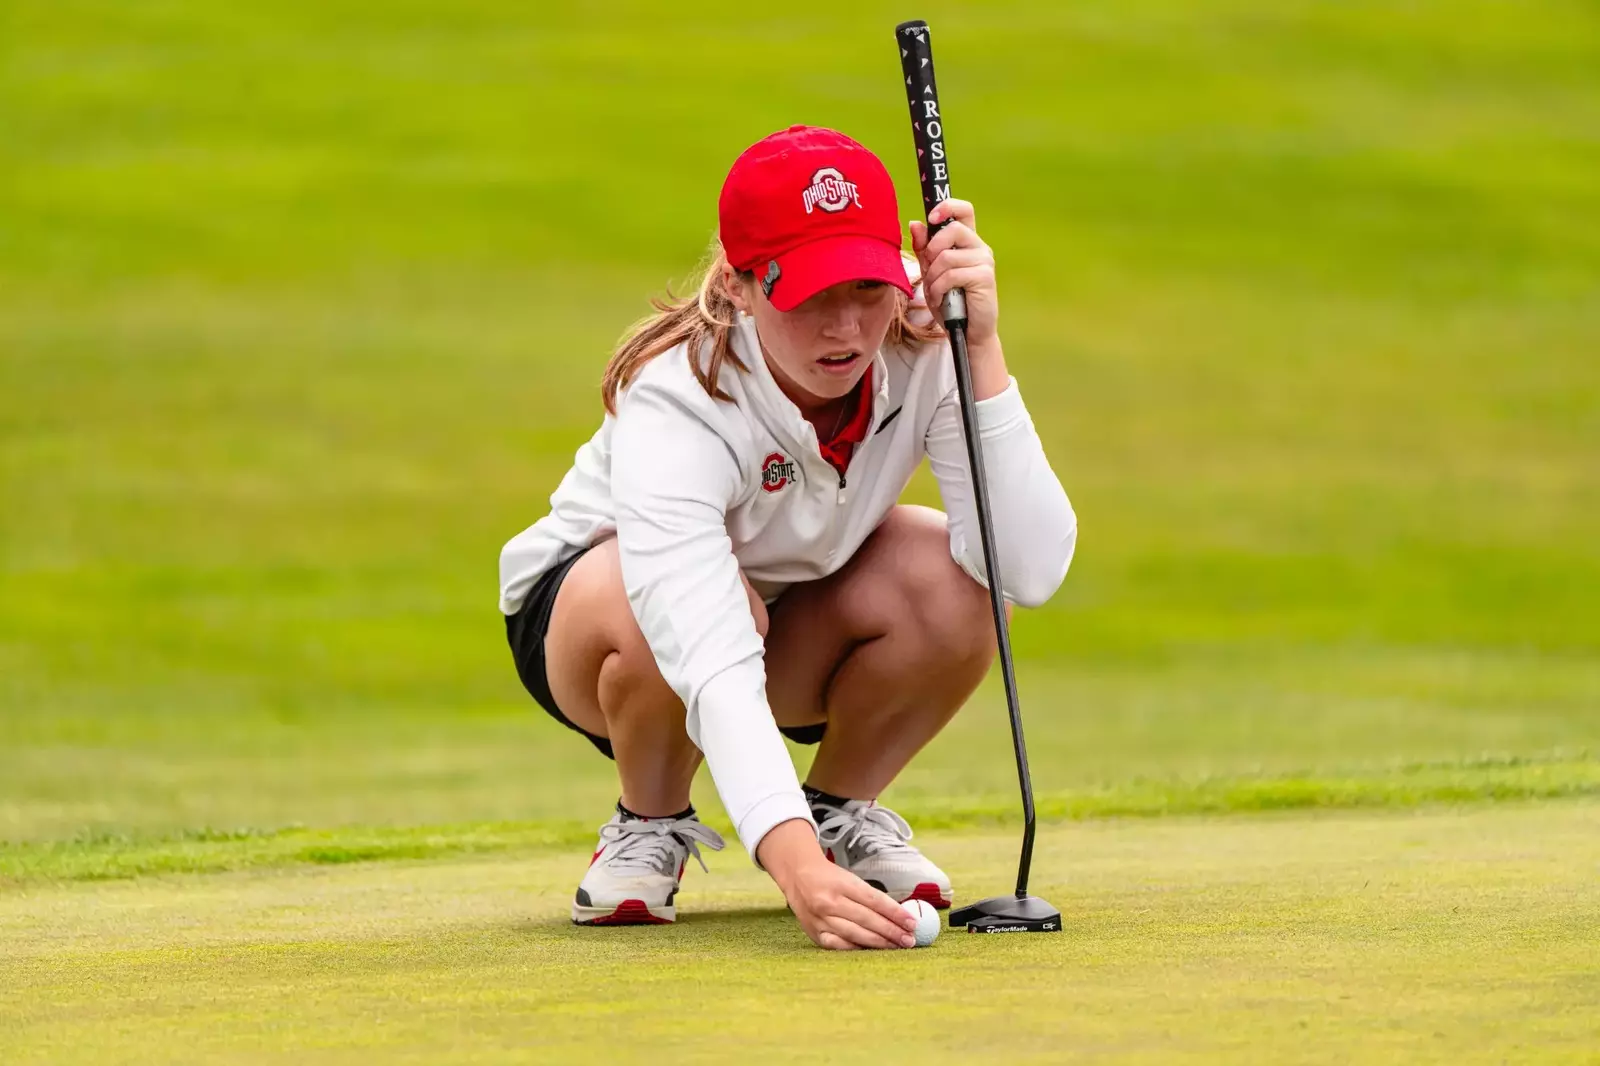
[303,313]
[1449,937]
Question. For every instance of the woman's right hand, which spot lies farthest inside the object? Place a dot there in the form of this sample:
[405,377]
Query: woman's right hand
[837,909]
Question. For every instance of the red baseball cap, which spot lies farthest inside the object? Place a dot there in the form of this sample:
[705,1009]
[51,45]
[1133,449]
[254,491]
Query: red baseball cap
[807,208]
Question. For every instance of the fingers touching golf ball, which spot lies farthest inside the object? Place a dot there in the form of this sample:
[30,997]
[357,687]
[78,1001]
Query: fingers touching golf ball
[927,920]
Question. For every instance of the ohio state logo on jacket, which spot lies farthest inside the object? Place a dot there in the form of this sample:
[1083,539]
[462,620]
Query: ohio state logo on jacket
[776,472]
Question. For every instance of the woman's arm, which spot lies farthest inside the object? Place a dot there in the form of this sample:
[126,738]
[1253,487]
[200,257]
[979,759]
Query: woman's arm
[673,478]
[1035,528]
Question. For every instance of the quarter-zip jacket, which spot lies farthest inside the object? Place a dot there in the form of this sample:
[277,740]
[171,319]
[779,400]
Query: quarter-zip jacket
[697,489]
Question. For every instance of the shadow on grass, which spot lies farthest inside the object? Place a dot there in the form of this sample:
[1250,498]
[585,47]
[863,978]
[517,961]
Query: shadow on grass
[686,919]
[735,916]
[694,934]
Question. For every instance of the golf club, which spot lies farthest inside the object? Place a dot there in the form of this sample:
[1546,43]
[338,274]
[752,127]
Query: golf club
[1019,912]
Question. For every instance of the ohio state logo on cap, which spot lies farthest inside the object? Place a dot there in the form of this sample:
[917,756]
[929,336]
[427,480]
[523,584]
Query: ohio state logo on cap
[831,191]
[776,472]
[843,226]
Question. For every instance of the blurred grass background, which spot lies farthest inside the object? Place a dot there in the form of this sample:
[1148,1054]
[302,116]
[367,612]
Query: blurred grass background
[303,309]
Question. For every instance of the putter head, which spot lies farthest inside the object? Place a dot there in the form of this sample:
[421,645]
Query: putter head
[1008,914]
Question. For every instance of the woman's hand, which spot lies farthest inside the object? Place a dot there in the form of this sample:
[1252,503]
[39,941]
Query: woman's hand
[837,909]
[957,258]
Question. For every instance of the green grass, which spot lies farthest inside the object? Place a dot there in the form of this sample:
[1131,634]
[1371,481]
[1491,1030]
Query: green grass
[109,856]
[302,313]
[303,310]
[1449,938]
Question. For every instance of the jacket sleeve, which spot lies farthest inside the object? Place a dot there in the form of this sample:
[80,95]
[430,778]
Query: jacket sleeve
[1034,525]
[673,477]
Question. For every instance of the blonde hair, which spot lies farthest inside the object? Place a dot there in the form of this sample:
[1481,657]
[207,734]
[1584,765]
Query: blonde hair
[708,316]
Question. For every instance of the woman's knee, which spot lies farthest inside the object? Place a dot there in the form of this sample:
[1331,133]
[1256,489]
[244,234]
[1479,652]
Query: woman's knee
[630,676]
[597,661]
[950,610]
[630,682]
[959,618]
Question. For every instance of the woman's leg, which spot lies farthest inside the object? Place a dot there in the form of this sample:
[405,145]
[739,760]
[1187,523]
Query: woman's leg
[885,651]
[605,681]
[604,678]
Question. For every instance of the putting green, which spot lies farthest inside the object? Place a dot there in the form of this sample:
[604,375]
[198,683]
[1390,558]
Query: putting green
[303,308]
[1439,937]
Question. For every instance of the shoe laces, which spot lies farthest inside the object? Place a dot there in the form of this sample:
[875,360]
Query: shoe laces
[865,826]
[657,845]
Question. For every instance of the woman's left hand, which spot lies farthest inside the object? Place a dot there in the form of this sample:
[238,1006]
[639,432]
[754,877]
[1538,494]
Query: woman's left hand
[957,258]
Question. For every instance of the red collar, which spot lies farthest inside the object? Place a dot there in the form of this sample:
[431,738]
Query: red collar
[838,450]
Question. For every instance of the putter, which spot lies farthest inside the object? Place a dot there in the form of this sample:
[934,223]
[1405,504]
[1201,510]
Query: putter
[1019,912]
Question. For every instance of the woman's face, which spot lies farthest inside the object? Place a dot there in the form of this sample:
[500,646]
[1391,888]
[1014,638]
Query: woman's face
[819,351]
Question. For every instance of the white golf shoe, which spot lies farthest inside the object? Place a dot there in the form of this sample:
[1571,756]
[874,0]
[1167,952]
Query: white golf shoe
[871,842]
[634,875]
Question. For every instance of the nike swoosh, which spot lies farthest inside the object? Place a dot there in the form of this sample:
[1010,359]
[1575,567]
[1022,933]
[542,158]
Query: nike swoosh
[890,417]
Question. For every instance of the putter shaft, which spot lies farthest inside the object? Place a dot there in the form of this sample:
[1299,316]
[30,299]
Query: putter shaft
[957,328]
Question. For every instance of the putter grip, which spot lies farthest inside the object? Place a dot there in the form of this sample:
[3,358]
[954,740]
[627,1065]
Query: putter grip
[927,130]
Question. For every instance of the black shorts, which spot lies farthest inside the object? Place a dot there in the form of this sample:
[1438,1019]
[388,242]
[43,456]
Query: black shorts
[526,631]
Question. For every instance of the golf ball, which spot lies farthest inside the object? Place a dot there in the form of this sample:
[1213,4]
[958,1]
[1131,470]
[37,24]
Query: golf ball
[927,930]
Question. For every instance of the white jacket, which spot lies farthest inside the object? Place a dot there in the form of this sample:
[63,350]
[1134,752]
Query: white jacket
[696,490]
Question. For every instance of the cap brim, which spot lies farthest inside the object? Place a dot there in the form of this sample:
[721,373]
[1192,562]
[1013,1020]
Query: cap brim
[810,268]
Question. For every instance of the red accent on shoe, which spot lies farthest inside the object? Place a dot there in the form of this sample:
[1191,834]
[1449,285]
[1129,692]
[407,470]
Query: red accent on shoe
[829,854]
[595,857]
[629,912]
[682,866]
[929,893]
